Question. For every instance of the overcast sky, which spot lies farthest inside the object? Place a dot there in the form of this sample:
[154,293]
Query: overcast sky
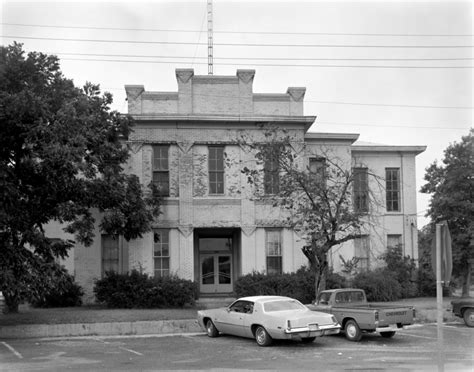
[387,91]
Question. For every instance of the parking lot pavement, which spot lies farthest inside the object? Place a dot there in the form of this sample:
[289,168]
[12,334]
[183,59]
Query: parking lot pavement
[412,349]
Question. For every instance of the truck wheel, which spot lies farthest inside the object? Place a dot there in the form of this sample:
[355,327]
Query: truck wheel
[387,334]
[262,337]
[211,329]
[352,330]
[468,316]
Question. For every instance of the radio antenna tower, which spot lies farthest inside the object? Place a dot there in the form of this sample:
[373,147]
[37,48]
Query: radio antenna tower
[209,39]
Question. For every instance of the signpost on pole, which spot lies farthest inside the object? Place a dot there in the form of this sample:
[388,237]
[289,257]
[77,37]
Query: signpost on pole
[443,256]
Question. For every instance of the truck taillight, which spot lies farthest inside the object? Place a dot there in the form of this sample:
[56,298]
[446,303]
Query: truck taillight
[414,313]
[376,316]
[288,325]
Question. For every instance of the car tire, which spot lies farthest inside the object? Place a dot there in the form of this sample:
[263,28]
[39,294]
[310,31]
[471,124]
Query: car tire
[211,329]
[262,337]
[352,330]
[307,340]
[468,317]
[387,334]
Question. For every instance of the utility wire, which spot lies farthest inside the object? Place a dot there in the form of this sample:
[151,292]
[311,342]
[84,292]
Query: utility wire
[391,126]
[242,44]
[334,102]
[260,58]
[268,64]
[238,32]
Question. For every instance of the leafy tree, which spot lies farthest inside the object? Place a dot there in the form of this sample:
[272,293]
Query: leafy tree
[319,202]
[451,185]
[61,157]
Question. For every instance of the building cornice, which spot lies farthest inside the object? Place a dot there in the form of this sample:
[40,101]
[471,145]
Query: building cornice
[332,137]
[416,150]
[196,120]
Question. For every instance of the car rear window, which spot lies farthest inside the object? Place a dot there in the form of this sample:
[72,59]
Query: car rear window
[282,305]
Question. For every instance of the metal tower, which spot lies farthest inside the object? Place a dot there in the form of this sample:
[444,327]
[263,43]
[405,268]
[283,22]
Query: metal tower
[209,39]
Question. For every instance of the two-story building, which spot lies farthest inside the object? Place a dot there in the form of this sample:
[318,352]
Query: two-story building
[212,230]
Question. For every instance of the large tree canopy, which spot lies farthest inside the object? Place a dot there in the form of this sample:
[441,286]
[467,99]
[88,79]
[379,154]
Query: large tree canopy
[451,185]
[61,156]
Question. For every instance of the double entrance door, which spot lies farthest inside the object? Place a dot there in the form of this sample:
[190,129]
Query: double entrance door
[216,272]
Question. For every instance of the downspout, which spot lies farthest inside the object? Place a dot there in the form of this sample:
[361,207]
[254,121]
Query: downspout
[402,202]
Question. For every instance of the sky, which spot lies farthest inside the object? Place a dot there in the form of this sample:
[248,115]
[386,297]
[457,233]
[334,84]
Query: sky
[397,73]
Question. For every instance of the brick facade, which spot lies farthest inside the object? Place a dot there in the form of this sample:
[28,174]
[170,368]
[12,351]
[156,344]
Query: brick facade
[221,111]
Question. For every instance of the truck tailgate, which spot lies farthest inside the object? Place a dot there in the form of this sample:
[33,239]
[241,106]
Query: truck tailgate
[395,315]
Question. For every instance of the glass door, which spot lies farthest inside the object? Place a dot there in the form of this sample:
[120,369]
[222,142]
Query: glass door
[216,273]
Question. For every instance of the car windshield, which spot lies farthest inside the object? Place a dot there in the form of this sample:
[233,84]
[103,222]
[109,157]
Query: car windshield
[282,305]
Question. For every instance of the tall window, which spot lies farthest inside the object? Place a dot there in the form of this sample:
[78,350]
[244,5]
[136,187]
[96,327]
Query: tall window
[273,248]
[362,252]
[392,187]
[110,253]
[216,170]
[161,173]
[394,240]
[161,252]
[271,172]
[317,170]
[361,189]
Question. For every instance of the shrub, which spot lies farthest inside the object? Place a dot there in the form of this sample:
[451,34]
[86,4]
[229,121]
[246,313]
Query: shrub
[138,290]
[404,269]
[299,285]
[64,293]
[379,285]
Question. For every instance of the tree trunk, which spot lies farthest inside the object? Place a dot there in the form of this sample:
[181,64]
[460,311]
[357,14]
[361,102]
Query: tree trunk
[11,303]
[320,275]
[467,281]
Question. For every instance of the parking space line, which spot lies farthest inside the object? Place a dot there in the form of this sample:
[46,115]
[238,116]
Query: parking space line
[18,355]
[130,350]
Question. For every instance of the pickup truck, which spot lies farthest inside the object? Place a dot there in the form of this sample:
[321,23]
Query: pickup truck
[356,315]
[464,308]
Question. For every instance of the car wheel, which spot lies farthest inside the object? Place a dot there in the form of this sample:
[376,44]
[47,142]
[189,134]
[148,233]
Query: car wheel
[387,334]
[211,329]
[352,330]
[468,316]
[262,337]
[307,340]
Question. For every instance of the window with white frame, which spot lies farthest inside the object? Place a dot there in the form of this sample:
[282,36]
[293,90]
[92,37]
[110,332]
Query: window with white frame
[317,170]
[273,251]
[161,252]
[110,253]
[394,240]
[361,189]
[362,252]
[271,172]
[216,170]
[392,189]
[161,173]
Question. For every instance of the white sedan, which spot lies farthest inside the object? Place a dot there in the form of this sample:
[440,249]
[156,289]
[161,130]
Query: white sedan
[266,318]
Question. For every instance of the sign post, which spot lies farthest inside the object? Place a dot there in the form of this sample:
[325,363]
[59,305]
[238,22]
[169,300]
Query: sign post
[443,256]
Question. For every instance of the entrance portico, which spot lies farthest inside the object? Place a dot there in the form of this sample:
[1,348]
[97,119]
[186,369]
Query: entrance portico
[217,259]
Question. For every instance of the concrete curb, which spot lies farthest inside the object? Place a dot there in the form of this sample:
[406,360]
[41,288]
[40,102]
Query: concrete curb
[100,329]
[144,327]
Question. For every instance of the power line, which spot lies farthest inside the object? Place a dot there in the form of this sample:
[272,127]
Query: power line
[338,102]
[242,44]
[268,64]
[239,32]
[261,58]
[390,126]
